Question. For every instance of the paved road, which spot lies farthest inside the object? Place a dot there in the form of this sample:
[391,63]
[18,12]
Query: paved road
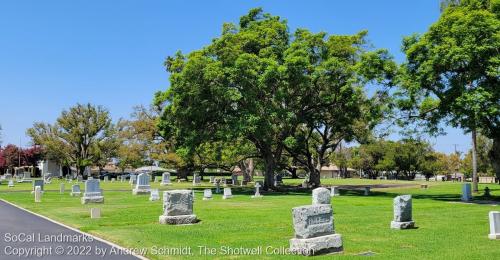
[27,236]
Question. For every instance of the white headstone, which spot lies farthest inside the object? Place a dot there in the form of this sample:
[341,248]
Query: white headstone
[165,179]
[61,188]
[212,179]
[494,217]
[334,191]
[466,192]
[227,193]
[38,194]
[155,195]
[142,186]
[95,213]
[257,191]
[207,194]
[11,183]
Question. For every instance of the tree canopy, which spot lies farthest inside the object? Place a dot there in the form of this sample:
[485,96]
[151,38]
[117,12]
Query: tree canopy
[452,71]
[78,138]
[259,82]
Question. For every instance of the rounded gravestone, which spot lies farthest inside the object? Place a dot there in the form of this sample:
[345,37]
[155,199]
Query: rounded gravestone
[321,196]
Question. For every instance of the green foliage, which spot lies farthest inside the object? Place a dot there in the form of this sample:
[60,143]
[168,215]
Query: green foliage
[402,159]
[452,71]
[81,136]
[258,83]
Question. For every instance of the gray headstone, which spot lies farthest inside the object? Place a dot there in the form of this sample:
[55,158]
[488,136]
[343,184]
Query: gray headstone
[196,179]
[217,186]
[314,231]
[165,179]
[142,186]
[367,191]
[142,181]
[321,196]
[133,179]
[494,217]
[178,207]
[92,186]
[234,179]
[402,213]
[402,208]
[466,192]
[313,221]
[75,190]
[38,183]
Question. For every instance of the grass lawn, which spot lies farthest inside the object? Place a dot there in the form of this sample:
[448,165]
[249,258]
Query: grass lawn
[446,229]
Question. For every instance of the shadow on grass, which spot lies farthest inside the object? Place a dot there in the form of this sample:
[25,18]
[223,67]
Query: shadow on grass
[480,199]
[358,191]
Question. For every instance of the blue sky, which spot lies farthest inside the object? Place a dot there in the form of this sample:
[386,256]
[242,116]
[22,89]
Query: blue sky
[54,54]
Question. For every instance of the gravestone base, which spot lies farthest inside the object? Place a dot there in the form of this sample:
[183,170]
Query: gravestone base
[75,194]
[257,196]
[206,198]
[141,191]
[33,192]
[165,184]
[402,225]
[225,197]
[94,199]
[178,220]
[494,236]
[317,245]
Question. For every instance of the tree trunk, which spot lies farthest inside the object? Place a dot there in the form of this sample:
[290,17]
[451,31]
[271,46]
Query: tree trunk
[494,155]
[270,166]
[182,172]
[293,170]
[314,178]
[247,168]
[474,162]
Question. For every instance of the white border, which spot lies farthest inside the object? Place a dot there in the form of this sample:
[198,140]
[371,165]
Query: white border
[76,230]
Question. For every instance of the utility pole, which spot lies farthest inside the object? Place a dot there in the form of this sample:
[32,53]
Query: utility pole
[19,153]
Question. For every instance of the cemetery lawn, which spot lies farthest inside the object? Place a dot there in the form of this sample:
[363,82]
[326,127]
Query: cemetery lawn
[447,229]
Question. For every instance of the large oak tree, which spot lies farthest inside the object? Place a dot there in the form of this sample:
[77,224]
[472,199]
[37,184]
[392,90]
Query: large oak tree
[259,82]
